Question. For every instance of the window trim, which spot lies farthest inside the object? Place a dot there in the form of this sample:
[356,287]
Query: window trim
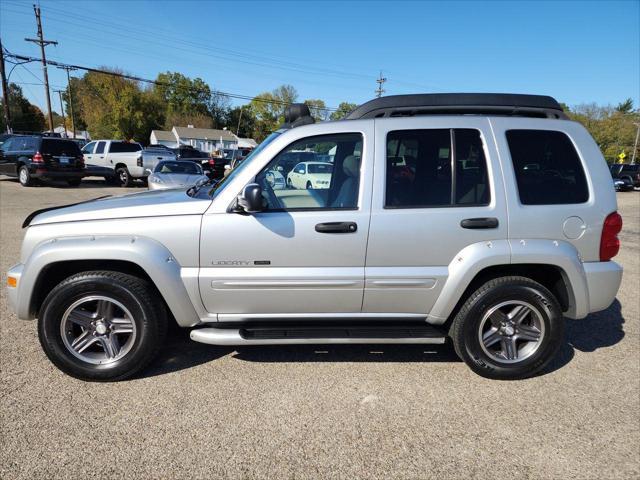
[575,149]
[309,209]
[452,203]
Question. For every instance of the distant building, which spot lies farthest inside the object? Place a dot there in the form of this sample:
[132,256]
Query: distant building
[162,137]
[82,134]
[204,139]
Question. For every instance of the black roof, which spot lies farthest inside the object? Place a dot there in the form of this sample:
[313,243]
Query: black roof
[541,106]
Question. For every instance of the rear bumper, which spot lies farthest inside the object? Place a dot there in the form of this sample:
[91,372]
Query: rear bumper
[44,172]
[603,282]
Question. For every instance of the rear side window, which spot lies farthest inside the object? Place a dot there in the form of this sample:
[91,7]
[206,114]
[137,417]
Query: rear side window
[547,167]
[124,147]
[100,147]
[60,147]
[436,168]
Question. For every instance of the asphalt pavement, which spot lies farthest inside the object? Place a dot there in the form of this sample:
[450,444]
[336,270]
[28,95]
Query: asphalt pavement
[322,411]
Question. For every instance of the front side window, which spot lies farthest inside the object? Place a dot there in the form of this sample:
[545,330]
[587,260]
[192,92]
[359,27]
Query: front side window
[88,148]
[296,180]
[547,167]
[435,168]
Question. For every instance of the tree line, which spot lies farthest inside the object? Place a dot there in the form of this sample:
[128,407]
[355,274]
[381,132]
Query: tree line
[109,106]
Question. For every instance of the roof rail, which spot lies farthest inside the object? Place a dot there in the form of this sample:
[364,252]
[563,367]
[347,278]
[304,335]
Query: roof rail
[508,104]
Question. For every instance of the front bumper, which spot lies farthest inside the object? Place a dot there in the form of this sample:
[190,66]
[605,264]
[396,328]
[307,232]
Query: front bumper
[12,292]
[603,282]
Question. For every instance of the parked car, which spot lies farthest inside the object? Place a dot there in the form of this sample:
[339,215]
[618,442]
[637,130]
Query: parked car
[628,172]
[291,159]
[622,184]
[122,161]
[310,175]
[176,174]
[472,245]
[34,158]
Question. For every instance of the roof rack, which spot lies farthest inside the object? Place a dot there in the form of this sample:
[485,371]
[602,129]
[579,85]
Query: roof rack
[508,104]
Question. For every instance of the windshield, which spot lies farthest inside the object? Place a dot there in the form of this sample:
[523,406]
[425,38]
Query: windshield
[187,168]
[319,168]
[219,186]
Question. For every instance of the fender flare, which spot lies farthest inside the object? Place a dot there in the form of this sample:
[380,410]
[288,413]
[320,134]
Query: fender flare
[153,257]
[474,258]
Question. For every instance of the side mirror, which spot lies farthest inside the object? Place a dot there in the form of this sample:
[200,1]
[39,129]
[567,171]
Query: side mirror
[250,200]
[279,168]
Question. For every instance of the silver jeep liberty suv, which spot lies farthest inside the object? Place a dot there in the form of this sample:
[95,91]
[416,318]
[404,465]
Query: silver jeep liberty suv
[483,218]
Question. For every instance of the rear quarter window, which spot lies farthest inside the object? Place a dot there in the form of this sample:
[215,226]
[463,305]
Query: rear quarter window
[124,147]
[547,167]
[60,147]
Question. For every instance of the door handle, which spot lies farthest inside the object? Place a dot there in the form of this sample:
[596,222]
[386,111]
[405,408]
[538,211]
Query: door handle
[477,223]
[337,227]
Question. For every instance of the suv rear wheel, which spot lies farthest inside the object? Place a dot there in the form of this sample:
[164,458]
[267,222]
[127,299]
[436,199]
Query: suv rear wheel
[24,177]
[510,328]
[102,325]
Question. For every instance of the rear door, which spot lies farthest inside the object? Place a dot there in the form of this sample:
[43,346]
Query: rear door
[99,156]
[434,178]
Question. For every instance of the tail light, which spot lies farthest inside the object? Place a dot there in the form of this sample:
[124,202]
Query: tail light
[212,161]
[609,242]
[37,158]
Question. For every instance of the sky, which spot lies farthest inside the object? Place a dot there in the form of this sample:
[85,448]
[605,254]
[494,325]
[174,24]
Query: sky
[578,52]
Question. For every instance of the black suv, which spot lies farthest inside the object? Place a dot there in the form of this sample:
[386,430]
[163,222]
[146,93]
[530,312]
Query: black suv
[629,173]
[31,158]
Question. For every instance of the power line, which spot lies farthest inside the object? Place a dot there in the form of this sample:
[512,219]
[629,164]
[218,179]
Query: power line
[154,82]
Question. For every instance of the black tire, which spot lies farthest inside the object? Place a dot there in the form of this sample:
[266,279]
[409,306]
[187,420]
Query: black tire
[124,177]
[309,186]
[74,182]
[24,177]
[137,295]
[465,329]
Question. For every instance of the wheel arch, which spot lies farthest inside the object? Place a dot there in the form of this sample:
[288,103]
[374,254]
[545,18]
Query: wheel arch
[55,260]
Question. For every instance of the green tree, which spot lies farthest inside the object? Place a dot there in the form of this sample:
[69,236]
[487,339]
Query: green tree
[246,121]
[626,106]
[268,109]
[344,109]
[25,117]
[318,109]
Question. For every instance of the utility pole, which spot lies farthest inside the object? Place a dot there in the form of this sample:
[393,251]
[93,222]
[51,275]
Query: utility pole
[635,145]
[5,92]
[73,122]
[380,81]
[64,120]
[43,43]
[240,118]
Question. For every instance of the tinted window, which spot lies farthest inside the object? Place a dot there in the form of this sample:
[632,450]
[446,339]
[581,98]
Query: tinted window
[124,147]
[100,147]
[547,167]
[319,168]
[60,147]
[8,144]
[472,179]
[418,168]
[284,189]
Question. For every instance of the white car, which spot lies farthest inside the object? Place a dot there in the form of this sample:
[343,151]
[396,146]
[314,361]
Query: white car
[176,174]
[309,175]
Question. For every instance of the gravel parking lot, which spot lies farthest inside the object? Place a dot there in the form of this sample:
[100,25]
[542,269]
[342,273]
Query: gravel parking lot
[330,412]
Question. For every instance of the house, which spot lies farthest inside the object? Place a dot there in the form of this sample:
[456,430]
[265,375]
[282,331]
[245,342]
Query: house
[205,139]
[247,143]
[163,137]
[64,133]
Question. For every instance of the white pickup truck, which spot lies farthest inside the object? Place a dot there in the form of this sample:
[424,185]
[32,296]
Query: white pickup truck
[122,161]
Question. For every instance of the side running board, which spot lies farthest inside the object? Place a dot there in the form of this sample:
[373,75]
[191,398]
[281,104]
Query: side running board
[296,335]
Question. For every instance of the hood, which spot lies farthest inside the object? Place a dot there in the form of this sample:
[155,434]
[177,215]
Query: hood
[178,178]
[146,204]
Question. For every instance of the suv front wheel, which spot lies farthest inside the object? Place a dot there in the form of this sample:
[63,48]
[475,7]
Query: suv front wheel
[510,328]
[102,325]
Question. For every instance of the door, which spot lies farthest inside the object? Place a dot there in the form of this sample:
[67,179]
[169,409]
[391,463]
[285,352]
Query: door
[87,153]
[437,190]
[304,253]
[99,156]
[8,157]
